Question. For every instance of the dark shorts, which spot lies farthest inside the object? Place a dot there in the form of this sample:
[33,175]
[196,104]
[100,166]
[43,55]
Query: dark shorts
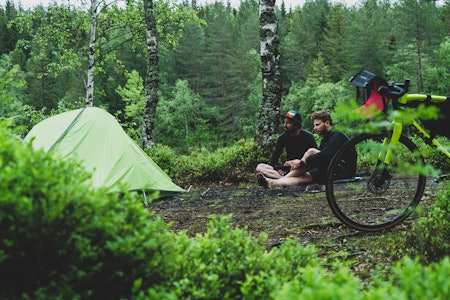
[318,175]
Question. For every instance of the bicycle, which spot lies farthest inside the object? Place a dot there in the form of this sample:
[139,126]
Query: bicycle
[382,192]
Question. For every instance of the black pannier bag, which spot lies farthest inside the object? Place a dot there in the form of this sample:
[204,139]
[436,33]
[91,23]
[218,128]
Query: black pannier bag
[440,126]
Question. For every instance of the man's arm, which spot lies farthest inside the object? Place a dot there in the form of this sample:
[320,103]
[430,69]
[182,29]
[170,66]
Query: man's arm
[277,152]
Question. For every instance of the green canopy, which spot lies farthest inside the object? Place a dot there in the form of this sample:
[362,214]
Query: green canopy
[94,136]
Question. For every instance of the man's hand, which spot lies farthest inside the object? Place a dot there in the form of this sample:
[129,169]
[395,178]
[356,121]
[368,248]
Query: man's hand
[295,164]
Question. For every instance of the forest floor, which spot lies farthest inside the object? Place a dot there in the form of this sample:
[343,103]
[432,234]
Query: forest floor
[287,213]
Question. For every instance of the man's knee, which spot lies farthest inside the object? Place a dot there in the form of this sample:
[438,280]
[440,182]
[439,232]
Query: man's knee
[261,167]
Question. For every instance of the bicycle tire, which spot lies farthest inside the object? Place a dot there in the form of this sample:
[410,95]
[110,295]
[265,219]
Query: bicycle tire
[372,199]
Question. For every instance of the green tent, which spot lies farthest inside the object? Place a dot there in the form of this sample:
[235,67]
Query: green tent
[94,137]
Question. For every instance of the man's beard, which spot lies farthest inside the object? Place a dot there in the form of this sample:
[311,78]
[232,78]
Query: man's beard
[290,131]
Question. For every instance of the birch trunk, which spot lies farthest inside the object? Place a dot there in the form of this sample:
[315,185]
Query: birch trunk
[269,116]
[151,78]
[93,11]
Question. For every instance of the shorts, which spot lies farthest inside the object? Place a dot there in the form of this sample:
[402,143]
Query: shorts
[318,175]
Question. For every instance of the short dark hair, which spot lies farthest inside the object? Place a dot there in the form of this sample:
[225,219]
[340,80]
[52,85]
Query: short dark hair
[323,115]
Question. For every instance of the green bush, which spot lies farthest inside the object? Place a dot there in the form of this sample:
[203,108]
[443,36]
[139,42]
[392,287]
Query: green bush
[431,237]
[415,281]
[201,166]
[61,238]
[227,263]
[165,157]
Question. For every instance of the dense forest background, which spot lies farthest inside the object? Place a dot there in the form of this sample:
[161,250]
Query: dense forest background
[209,61]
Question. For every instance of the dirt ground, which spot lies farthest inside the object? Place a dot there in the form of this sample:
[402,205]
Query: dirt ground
[288,213]
[279,212]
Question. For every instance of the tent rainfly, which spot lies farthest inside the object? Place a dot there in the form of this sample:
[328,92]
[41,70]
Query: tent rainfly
[94,137]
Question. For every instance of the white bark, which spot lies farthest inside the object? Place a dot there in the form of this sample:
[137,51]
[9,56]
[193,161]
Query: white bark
[93,11]
[271,76]
[151,78]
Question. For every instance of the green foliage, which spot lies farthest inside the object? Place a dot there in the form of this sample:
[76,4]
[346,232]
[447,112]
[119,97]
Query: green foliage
[218,262]
[215,49]
[59,238]
[430,237]
[183,119]
[437,75]
[226,263]
[165,157]
[132,95]
[230,164]
[62,239]
[348,118]
[416,281]
[315,95]
[432,155]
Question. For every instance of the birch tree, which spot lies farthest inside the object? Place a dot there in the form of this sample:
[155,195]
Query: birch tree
[151,77]
[96,7]
[93,13]
[271,76]
[172,17]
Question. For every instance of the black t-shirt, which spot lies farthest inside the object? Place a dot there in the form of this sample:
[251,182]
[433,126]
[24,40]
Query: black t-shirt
[295,146]
[330,144]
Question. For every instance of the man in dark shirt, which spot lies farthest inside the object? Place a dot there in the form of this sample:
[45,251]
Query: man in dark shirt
[312,167]
[294,140]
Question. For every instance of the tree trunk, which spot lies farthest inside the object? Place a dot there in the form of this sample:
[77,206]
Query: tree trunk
[269,116]
[151,77]
[91,60]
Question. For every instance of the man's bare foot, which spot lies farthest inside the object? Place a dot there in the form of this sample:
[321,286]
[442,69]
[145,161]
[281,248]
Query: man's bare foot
[263,181]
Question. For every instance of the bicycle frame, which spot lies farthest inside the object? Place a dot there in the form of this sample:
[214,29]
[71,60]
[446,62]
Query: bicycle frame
[384,191]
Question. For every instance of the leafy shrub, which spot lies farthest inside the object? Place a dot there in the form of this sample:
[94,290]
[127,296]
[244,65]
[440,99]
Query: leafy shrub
[416,281]
[229,164]
[165,157]
[60,237]
[431,237]
[227,263]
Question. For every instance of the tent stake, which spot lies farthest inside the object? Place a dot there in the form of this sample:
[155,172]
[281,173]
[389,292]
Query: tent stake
[145,199]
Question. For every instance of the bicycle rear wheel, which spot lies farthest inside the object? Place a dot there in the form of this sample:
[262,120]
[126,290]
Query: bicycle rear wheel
[376,196]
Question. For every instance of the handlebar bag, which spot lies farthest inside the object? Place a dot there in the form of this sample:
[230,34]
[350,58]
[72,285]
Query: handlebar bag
[370,82]
[363,78]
